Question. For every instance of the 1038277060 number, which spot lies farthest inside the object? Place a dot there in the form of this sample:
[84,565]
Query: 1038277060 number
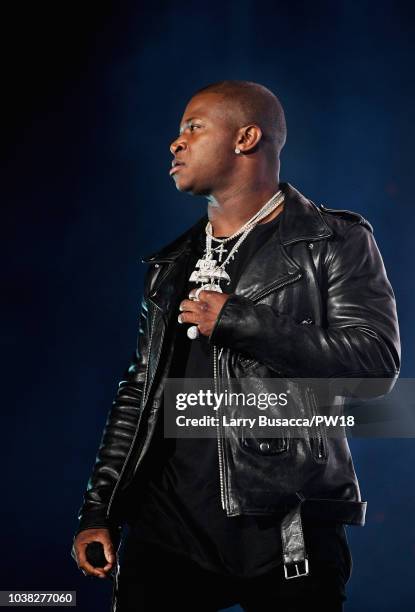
[36,598]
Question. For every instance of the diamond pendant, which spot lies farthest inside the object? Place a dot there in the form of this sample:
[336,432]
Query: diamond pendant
[209,275]
[212,286]
[221,250]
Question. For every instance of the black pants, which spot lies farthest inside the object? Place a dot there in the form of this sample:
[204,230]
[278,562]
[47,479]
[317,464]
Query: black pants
[154,579]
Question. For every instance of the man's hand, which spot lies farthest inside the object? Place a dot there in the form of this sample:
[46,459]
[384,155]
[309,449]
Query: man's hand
[202,311]
[81,541]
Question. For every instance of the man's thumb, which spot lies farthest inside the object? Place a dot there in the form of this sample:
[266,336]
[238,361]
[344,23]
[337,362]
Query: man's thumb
[109,552]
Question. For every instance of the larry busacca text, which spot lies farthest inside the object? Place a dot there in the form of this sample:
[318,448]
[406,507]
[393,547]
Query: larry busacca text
[264,421]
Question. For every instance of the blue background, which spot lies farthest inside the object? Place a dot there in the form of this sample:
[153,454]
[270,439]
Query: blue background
[93,99]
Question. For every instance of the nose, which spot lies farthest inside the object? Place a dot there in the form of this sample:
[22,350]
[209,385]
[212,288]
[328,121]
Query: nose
[178,145]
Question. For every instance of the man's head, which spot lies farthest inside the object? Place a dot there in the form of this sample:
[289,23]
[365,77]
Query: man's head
[220,118]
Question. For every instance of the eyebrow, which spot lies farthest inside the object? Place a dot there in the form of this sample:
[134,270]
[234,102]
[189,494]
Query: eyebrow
[185,124]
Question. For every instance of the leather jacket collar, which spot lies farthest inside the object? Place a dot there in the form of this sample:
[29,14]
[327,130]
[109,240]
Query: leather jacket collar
[301,220]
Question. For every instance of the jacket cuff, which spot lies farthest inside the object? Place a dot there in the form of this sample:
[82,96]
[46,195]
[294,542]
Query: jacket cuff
[237,311]
[89,522]
[95,519]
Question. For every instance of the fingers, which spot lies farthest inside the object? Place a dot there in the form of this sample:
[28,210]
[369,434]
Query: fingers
[191,312]
[191,317]
[80,544]
[195,293]
[202,311]
[188,317]
[109,555]
[201,294]
[192,305]
[88,569]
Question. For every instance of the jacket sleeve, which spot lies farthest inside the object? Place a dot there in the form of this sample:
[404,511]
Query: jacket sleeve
[117,435]
[360,337]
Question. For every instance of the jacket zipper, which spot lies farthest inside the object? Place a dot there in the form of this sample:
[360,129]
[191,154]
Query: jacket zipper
[137,428]
[277,285]
[320,442]
[218,432]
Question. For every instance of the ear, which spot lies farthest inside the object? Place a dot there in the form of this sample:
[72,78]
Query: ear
[248,137]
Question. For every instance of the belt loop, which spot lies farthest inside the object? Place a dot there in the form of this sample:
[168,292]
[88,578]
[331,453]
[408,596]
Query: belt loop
[293,546]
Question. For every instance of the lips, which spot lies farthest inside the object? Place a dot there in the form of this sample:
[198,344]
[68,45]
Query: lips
[176,165]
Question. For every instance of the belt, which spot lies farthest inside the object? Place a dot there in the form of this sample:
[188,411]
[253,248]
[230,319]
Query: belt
[293,546]
[292,537]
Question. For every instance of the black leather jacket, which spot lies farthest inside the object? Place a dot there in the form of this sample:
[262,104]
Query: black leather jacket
[317,303]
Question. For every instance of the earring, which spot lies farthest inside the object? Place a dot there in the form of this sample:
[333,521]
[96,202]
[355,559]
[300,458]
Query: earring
[237,150]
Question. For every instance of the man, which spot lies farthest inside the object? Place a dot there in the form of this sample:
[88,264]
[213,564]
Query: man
[267,286]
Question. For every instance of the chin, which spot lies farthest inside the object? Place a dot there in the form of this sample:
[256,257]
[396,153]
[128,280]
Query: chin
[184,187]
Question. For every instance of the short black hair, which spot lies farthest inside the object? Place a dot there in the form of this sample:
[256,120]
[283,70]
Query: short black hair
[254,103]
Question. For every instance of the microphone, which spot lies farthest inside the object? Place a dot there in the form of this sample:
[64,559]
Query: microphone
[94,553]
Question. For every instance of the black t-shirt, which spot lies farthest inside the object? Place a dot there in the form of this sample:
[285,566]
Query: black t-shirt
[179,504]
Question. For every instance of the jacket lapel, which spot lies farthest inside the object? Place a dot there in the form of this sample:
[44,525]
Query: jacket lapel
[301,220]
[269,269]
[169,288]
[170,284]
[272,267]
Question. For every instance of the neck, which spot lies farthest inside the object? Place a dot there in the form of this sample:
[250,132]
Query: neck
[228,211]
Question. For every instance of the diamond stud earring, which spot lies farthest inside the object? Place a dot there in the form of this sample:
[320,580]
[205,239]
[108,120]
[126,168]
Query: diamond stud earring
[237,150]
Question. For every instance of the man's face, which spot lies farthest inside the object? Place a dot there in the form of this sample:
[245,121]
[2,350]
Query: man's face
[205,146]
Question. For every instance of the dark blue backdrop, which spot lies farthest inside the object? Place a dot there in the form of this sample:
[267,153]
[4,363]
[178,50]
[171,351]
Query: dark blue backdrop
[93,99]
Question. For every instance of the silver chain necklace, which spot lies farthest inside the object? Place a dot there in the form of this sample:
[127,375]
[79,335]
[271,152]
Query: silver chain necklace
[209,272]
